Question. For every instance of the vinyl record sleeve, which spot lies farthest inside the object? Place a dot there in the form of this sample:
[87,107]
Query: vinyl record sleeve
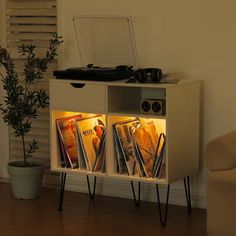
[63,155]
[90,138]
[146,138]
[100,157]
[160,159]
[139,159]
[121,164]
[67,130]
[125,140]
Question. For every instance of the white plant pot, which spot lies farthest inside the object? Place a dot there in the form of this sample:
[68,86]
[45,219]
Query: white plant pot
[25,181]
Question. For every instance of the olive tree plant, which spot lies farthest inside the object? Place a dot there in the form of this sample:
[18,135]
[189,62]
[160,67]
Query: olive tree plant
[23,100]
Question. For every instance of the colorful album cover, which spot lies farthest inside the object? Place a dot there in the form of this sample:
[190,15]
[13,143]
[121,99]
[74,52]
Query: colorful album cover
[82,150]
[100,158]
[125,140]
[139,158]
[146,138]
[121,165]
[67,130]
[83,163]
[91,137]
[63,155]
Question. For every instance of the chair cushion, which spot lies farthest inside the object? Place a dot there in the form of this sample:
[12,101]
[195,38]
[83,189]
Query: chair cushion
[226,177]
[221,203]
[220,153]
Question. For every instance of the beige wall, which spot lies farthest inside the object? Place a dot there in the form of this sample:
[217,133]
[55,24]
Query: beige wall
[191,39]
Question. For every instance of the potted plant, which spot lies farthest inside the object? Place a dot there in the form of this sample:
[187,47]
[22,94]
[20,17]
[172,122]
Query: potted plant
[22,102]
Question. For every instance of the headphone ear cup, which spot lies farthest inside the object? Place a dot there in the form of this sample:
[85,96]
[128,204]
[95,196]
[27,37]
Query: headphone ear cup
[156,75]
[140,75]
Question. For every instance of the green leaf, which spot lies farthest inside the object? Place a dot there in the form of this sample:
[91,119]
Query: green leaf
[21,102]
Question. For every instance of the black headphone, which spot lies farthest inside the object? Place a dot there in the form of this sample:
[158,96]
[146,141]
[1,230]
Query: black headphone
[141,75]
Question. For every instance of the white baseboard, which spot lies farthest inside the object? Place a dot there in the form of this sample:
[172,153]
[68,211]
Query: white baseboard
[122,189]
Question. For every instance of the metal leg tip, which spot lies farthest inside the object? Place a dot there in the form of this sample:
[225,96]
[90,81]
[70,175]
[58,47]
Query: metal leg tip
[163,224]
[189,211]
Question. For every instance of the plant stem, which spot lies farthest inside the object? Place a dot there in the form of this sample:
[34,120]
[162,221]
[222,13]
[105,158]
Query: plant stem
[23,143]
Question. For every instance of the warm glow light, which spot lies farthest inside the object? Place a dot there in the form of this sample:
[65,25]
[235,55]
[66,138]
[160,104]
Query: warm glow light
[62,114]
[144,130]
[160,124]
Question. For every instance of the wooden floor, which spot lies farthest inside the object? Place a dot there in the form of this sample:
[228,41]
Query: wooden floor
[99,217]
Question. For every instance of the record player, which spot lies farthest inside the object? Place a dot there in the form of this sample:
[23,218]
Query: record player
[106,48]
[95,73]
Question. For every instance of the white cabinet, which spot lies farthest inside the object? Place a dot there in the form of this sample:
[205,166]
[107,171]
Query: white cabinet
[119,101]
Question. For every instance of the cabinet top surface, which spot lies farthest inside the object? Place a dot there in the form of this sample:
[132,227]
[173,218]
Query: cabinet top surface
[124,83]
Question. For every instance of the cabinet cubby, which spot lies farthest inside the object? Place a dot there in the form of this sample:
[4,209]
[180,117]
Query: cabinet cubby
[126,100]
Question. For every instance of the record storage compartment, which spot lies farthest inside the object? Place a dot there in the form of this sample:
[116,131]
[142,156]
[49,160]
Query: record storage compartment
[119,101]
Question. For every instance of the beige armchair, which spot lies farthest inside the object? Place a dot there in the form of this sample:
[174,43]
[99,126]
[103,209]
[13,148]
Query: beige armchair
[220,154]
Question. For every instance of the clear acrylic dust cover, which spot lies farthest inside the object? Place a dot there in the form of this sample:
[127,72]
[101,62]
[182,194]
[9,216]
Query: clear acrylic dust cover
[105,41]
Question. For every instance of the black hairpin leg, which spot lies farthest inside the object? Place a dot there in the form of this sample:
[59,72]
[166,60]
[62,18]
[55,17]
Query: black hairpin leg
[163,219]
[137,201]
[62,190]
[91,194]
[188,194]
